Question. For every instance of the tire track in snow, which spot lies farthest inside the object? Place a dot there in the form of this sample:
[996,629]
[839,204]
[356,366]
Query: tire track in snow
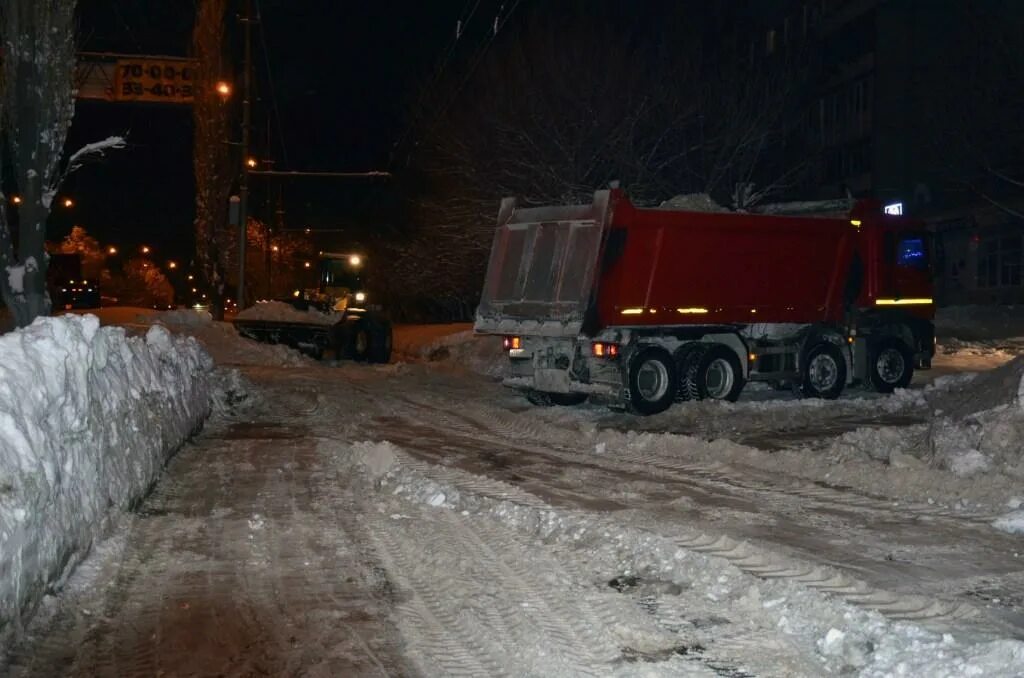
[928,610]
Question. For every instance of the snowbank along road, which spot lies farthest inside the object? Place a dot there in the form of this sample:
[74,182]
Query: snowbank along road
[413,519]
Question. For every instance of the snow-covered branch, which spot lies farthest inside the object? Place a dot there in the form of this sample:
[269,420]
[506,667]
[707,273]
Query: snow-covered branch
[95,149]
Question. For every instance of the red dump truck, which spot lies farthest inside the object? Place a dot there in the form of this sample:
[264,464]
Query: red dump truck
[646,307]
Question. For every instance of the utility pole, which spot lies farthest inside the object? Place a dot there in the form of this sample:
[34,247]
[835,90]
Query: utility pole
[243,184]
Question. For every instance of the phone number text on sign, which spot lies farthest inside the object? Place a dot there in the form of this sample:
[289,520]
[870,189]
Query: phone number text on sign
[155,80]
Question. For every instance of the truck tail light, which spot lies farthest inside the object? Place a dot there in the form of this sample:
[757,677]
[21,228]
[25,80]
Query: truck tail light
[512,343]
[601,349]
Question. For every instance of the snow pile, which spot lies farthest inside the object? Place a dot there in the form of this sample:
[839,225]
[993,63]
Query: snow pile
[280,312]
[692,202]
[222,341]
[980,427]
[454,344]
[87,418]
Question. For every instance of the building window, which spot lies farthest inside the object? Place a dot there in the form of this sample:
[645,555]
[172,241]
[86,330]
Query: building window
[999,262]
[1010,260]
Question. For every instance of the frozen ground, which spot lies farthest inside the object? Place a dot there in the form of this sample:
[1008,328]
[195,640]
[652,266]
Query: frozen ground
[418,519]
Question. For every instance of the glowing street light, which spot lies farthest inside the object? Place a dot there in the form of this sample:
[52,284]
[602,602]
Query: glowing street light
[223,88]
[191,277]
[306,264]
[251,163]
[172,264]
[275,248]
[111,250]
[194,290]
[68,202]
[145,249]
[309,230]
[355,260]
[16,200]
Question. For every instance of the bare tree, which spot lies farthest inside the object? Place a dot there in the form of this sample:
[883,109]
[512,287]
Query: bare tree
[38,104]
[556,113]
[212,158]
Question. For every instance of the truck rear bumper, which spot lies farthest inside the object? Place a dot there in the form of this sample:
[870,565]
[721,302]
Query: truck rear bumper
[549,385]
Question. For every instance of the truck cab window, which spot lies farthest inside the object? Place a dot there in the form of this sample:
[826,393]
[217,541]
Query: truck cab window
[912,253]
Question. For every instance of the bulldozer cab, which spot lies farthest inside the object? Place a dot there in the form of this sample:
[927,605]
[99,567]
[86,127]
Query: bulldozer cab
[341,278]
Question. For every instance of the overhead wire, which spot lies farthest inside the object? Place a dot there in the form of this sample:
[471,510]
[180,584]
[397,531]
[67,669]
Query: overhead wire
[461,26]
[270,82]
[499,23]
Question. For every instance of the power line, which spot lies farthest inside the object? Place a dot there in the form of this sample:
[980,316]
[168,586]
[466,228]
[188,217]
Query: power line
[461,25]
[499,23]
[270,80]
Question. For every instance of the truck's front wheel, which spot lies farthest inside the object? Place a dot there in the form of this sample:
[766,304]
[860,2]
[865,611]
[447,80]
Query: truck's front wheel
[652,381]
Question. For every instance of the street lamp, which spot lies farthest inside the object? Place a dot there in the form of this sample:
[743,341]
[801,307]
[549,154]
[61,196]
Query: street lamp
[111,250]
[355,260]
[223,88]
[306,264]
[251,163]
[68,202]
[145,249]
[275,248]
[191,277]
[16,200]
[172,264]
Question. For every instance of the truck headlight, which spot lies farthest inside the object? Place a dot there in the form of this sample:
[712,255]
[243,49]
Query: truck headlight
[360,296]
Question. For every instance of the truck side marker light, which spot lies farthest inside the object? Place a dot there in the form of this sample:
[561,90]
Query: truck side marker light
[855,222]
[694,309]
[923,301]
[603,350]
[512,343]
[632,311]
[752,357]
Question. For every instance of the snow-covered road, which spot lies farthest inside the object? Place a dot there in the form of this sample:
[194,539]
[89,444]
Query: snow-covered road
[422,520]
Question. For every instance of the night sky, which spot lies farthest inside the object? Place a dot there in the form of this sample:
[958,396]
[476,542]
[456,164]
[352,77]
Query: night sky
[345,78]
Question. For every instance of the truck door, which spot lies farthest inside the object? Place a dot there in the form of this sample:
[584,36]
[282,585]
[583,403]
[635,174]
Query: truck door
[906,260]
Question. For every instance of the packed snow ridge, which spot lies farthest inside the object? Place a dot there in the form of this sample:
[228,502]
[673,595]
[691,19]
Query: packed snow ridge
[88,416]
[278,311]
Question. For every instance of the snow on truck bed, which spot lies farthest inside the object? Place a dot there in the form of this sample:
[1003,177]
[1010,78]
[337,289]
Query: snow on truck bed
[88,416]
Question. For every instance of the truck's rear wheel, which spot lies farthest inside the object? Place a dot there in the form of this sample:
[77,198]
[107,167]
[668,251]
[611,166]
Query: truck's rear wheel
[380,341]
[652,381]
[713,372]
[890,365]
[360,341]
[823,372]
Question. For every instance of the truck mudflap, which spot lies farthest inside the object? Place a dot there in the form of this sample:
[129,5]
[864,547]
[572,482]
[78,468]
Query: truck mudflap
[570,386]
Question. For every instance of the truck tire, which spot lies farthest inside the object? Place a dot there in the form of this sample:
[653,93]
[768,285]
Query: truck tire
[890,365]
[360,341]
[652,381]
[380,340]
[823,373]
[682,357]
[713,372]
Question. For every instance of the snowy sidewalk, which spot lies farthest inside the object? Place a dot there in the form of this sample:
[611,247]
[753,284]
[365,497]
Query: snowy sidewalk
[249,559]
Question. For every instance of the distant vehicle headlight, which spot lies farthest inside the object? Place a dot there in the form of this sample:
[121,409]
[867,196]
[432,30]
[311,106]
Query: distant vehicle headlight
[360,296]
